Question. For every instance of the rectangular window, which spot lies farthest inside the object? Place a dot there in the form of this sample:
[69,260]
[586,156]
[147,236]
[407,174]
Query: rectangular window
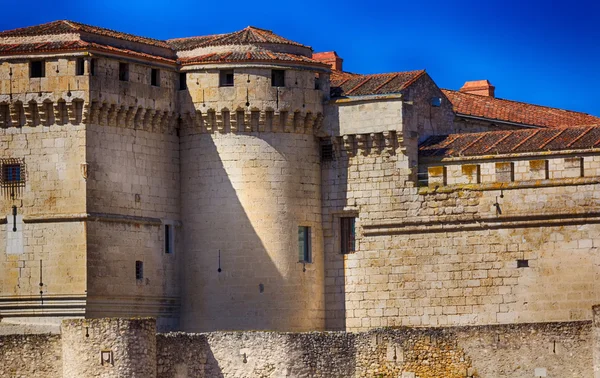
[327,152]
[37,68]
[317,81]
[226,78]
[93,64]
[139,270]
[79,66]
[13,173]
[168,238]
[124,71]
[155,77]
[278,78]
[348,240]
[304,244]
[182,81]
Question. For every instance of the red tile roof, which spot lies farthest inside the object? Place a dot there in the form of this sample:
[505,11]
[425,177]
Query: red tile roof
[66,27]
[78,45]
[511,141]
[249,56]
[349,84]
[249,35]
[516,112]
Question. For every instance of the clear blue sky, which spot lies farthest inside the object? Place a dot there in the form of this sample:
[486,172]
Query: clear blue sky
[543,52]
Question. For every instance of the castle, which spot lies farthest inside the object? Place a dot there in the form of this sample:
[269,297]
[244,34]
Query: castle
[242,182]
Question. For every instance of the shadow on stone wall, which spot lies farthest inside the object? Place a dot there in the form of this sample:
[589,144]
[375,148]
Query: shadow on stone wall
[242,201]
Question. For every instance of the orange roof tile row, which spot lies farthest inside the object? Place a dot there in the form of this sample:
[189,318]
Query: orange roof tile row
[249,56]
[348,84]
[66,27]
[248,35]
[515,112]
[24,48]
[511,141]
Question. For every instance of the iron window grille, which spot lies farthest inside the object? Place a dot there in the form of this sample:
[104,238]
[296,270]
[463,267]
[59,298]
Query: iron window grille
[13,173]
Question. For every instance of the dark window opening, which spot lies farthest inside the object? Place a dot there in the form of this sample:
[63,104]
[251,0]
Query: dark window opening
[226,78]
[79,66]
[93,63]
[304,244]
[182,81]
[123,71]
[168,239]
[327,152]
[318,82]
[13,173]
[155,77]
[348,239]
[522,263]
[278,78]
[37,69]
[139,270]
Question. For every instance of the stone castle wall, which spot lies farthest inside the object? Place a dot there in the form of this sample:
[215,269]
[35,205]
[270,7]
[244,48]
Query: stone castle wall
[48,245]
[450,256]
[244,196]
[131,348]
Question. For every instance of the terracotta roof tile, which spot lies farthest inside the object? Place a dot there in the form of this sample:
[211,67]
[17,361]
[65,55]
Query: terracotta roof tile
[349,84]
[249,35]
[65,27]
[516,112]
[27,48]
[511,141]
[249,56]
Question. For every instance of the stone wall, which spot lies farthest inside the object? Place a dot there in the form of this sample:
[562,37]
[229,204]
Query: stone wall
[31,356]
[244,197]
[457,255]
[561,350]
[596,341]
[133,194]
[109,348]
[48,245]
[131,348]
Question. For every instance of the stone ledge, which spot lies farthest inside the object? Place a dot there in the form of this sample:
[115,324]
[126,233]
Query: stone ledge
[511,185]
[559,219]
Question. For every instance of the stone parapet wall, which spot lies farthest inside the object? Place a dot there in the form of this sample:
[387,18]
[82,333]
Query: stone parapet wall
[131,348]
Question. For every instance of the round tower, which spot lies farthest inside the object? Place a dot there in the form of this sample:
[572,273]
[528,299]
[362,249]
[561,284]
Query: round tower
[251,108]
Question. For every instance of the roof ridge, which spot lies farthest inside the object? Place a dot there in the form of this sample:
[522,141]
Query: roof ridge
[515,101]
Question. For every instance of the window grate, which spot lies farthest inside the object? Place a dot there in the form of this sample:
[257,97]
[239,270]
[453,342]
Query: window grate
[327,152]
[13,173]
[226,78]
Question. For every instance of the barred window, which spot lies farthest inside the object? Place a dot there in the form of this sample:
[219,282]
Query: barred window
[13,173]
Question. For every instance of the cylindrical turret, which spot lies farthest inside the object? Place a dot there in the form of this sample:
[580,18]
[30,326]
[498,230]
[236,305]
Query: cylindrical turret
[251,196]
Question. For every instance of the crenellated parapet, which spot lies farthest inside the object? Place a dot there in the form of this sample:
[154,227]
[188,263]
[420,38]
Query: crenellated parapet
[386,142]
[254,120]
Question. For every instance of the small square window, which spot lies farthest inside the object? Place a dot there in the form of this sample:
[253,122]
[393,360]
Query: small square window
[139,270]
[226,78]
[13,173]
[327,152]
[123,71]
[278,78]
[155,77]
[182,81]
[522,263]
[37,68]
[348,233]
[79,66]
[304,245]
